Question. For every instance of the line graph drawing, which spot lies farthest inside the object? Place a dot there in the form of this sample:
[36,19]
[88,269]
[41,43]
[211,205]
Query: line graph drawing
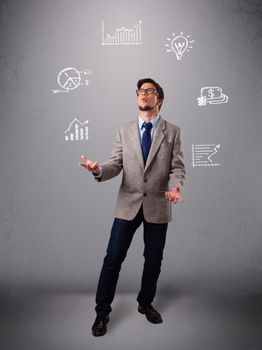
[202,154]
[123,36]
[77,131]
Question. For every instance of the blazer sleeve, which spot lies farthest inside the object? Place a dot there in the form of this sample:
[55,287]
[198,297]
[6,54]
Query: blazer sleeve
[114,165]
[177,168]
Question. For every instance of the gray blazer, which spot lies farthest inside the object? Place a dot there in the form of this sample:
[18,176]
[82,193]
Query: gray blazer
[146,184]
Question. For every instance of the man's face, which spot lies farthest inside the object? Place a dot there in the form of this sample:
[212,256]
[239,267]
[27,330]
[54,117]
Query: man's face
[148,101]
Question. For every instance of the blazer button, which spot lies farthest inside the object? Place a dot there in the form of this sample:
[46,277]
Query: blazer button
[145,180]
[145,194]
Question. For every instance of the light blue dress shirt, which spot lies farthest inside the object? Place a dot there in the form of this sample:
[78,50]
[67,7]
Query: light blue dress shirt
[154,122]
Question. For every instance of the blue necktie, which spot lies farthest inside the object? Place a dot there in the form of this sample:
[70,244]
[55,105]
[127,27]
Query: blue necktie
[146,139]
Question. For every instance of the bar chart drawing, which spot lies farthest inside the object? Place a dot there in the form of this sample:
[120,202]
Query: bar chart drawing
[123,36]
[77,131]
[201,154]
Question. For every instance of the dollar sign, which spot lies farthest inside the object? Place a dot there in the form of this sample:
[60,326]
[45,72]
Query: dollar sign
[211,93]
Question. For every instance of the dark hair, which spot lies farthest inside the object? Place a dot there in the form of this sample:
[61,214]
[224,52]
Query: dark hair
[159,90]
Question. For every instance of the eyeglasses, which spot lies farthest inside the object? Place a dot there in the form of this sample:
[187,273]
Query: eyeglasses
[146,91]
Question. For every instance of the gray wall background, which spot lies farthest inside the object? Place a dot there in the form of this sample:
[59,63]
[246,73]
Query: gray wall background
[55,219]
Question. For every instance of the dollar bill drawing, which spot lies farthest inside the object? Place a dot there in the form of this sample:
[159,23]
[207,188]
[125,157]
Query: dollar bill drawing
[211,95]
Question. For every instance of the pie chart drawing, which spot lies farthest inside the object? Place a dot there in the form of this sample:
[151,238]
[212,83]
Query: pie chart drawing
[69,79]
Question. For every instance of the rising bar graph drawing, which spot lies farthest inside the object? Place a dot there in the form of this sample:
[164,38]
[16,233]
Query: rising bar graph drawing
[123,36]
[77,131]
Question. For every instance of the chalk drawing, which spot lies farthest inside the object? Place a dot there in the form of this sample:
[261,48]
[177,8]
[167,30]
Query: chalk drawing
[77,131]
[202,154]
[71,78]
[123,36]
[212,95]
[179,44]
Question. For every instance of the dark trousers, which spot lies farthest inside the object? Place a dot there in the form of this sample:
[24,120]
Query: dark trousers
[121,236]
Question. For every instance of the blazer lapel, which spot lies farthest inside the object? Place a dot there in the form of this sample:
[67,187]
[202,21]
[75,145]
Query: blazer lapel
[136,142]
[157,140]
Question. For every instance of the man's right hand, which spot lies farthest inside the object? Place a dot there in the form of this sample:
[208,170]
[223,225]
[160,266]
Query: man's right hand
[89,165]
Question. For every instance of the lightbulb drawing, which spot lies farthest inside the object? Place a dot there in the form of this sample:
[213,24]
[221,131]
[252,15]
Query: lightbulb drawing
[179,45]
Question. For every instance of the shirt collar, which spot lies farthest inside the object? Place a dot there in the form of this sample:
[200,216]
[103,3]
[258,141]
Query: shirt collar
[154,122]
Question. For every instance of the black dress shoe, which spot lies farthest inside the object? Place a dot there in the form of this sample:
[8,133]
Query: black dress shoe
[99,326]
[151,314]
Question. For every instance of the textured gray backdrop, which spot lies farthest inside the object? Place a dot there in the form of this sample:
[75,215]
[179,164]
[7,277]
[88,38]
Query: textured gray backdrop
[55,219]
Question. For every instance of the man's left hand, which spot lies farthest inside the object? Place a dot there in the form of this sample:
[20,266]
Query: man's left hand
[174,195]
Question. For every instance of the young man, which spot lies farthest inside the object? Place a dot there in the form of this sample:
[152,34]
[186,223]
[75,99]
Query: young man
[148,151]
